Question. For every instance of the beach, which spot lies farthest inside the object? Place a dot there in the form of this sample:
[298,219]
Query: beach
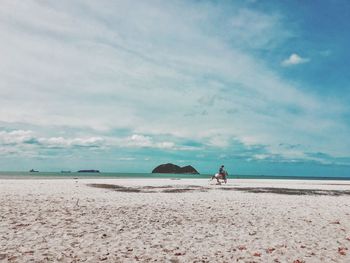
[164,220]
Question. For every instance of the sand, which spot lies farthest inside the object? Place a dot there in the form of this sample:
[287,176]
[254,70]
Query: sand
[163,220]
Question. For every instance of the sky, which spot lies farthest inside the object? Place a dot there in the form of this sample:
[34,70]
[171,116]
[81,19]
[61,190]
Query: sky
[262,87]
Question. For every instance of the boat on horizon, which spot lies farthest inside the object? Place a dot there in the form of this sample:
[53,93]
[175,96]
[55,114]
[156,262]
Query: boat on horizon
[88,171]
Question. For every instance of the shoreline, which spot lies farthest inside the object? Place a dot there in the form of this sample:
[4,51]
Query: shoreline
[121,175]
[130,176]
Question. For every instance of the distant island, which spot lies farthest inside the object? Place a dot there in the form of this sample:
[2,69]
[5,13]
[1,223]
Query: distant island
[174,169]
[33,171]
[88,171]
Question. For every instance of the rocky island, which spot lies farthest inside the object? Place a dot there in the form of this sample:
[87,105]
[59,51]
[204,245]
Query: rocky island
[174,169]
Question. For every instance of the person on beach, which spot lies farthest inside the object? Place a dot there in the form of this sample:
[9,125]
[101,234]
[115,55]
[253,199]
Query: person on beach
[221,175]
[222,172]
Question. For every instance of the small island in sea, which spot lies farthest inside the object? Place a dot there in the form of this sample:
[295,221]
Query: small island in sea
[174,169]
[88,171]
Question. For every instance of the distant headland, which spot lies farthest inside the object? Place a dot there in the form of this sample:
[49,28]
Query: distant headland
[174,169]
[88,171]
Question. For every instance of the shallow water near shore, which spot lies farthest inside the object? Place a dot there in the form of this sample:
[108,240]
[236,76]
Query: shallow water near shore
[102,175]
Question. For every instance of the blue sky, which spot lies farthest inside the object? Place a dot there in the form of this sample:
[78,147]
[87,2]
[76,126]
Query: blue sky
[260,86]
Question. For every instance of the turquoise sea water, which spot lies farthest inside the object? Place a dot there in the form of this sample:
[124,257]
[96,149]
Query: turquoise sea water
[57,175]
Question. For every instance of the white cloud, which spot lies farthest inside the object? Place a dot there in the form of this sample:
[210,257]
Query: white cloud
[294,59]
[27,137]
[71,142]
[15,137]
[22,138]
[126,158]
[261,156]
[218,141]
[138,141]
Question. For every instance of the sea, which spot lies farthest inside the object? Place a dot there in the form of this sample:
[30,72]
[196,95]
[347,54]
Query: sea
[102,175]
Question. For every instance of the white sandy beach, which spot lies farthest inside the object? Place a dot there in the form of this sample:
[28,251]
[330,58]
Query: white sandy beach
[165,220]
